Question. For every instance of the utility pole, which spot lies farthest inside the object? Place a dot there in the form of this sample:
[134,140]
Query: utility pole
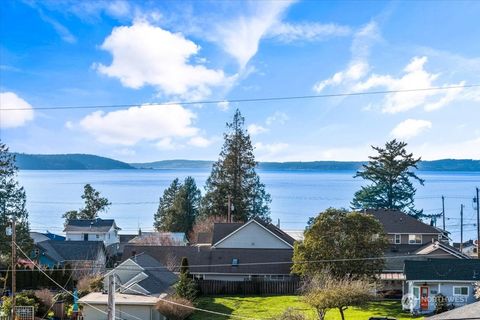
[478,224]
[111,297]
[443,212]
[461,227]
[229,215]
[14,264]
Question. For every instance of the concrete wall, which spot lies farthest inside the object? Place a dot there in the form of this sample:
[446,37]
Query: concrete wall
[253,236]
[123,311]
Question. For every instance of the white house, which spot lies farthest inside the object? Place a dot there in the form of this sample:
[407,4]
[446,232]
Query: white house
[92,230]
[453,278]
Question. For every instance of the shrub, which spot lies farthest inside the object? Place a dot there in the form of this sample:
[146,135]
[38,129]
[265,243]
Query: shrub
[289,314]
[89,283]
[21,299]
[441,303]
[186,287]
[175,308]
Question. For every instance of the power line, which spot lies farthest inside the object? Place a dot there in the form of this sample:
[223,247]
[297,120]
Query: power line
[301,97]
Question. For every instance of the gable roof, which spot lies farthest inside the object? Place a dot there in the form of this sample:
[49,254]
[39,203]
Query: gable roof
[63,251]
[277,232]
[159,277]
[443,269]
[219,260]
[395,221]
[221,230]
[437,245]
[90,225]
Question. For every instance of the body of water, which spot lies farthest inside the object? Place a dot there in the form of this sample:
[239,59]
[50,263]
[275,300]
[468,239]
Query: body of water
[296,195]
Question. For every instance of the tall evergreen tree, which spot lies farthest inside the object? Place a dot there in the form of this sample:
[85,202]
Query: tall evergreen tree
[234,176]
[391,175]
[178,207]
[12,204]
[94,204]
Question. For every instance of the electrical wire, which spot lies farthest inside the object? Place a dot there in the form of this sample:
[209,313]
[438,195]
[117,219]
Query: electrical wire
[301,97]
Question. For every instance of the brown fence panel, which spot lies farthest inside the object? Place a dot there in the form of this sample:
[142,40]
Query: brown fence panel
[248,287]
[59,310]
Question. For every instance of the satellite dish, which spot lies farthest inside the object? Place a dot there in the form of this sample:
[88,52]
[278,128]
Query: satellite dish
[475,242]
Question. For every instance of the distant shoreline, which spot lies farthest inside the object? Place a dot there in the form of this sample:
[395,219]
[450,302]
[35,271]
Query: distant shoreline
[93,162]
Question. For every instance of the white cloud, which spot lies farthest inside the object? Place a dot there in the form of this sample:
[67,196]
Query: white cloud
[200,142]
[358,66]
[240,36]
[288,32]
[166,144]
[223,105]
[14,118]
[255,129]
[159,124]
[147,55]
[278,117]
[415,76]
[410,128]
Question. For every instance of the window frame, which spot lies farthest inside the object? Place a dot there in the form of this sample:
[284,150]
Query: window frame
[415,241]
[395,238]
[461,287]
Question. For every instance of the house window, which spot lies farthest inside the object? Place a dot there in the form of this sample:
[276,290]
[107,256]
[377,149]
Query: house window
[97,236]
[460,291]
[235,262]
[397,238]
[414,238]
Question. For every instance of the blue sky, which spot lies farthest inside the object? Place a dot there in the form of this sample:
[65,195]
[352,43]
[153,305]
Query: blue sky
[83,53]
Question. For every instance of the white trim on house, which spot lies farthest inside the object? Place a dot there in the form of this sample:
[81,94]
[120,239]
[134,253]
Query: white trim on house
[395,238]
[243,226]
[460,295]
[436,246]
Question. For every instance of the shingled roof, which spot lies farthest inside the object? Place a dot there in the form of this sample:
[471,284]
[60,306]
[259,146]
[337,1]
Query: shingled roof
[90,225]
[160,279]
[219,260]
[443,269]
[395,221]
[62,251]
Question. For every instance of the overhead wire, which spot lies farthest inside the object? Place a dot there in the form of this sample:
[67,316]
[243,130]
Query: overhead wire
[240,100]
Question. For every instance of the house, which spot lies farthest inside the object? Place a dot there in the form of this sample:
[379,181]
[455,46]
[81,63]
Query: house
[127,307]
[160,238]
[92,230]
[453,278]
[410,239]
[140,282]
[82,255]
[235,252]
[470,248]
[470,311]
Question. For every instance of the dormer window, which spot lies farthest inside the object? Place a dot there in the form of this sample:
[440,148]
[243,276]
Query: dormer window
[235,262]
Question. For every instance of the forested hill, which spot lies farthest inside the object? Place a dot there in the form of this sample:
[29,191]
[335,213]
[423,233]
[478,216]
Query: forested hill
[67,162]
[92,162]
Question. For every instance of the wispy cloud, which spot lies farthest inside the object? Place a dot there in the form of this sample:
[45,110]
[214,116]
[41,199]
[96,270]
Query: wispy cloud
[307,31]
[410,128]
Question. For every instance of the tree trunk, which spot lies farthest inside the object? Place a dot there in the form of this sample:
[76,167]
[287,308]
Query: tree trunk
[321,314]
[341,309]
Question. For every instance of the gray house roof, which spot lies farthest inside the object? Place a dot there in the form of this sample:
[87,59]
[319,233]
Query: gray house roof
[61,251]
[443,269]
[90,225]
[208,260]
[160,279]
[470,311]
[394,221]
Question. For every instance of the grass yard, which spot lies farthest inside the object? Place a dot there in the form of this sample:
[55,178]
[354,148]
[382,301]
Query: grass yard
[269,307]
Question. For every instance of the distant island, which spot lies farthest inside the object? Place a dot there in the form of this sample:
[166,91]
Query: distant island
[93,162]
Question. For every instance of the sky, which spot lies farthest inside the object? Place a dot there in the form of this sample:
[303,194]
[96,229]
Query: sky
[138,54]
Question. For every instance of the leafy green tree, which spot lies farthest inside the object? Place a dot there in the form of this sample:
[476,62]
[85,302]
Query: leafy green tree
[178,207]
[391,175]
[234,176]
[94,204]
[12,204]
[345,243]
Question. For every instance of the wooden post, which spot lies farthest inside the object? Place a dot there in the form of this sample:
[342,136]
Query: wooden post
[478,224]
[14,265]
[461,228]
[111,297]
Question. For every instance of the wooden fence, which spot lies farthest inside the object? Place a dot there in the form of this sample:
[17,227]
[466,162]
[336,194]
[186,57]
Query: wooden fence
[248,287]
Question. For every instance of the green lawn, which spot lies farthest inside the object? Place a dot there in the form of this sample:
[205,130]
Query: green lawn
[267,307]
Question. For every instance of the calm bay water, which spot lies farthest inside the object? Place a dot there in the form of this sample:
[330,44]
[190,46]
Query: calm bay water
[296,196]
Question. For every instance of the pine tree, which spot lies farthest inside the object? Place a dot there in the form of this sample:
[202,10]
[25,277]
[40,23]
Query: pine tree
[234,176]
[391,175]
[94,204]
[186,287]
[12,204]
